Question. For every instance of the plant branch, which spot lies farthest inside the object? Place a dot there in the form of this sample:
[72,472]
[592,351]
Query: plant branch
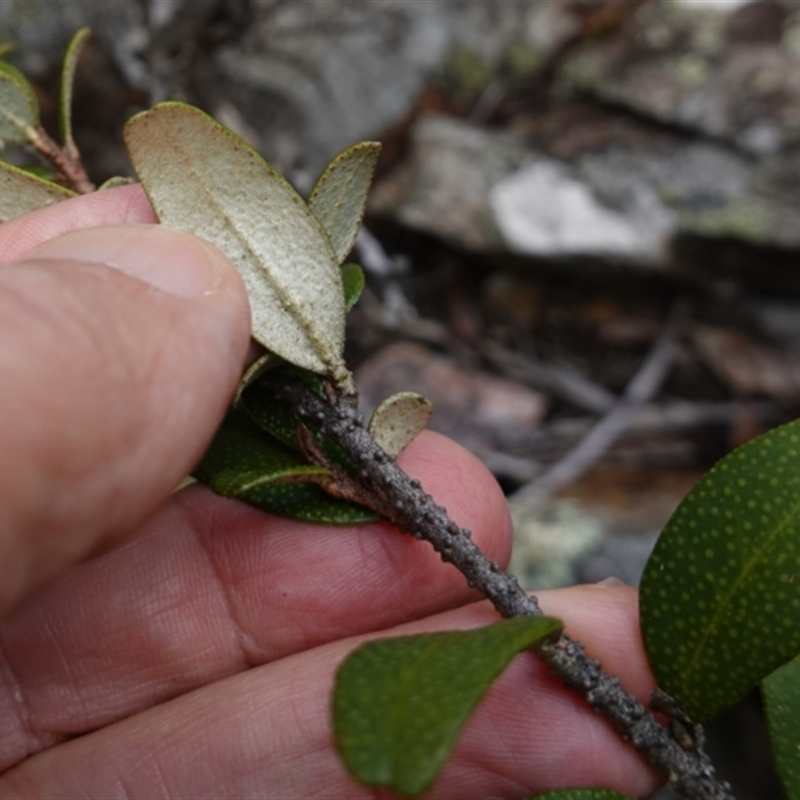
[66,160]
[386,488]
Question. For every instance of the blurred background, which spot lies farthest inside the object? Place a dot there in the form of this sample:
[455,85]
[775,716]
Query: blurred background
[583,243]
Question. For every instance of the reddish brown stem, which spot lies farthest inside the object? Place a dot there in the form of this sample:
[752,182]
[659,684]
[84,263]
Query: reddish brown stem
[66,161]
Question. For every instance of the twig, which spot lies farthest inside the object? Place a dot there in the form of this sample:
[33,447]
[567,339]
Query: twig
[560,380]
[591,447]
[66,161]
[401,501]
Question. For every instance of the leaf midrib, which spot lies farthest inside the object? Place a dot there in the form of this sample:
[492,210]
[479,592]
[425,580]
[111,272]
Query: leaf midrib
[693,663]
[287,302]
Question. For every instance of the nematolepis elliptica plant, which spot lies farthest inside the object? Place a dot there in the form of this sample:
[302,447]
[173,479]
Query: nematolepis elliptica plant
[720,603]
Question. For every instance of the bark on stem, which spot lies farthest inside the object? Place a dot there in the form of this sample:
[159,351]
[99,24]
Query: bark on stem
[402,501]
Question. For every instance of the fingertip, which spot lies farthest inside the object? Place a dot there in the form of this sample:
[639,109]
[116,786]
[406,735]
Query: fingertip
[124,204]
[121,348]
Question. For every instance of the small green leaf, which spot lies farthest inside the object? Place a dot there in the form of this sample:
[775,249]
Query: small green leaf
[278,418]
[21,192]
[67,82]
[581,794]
[248,464]
[781,692]
[399,704]
[398,420]
[339,197]
[19,108]
[720,595]
[353,280]
[202,178]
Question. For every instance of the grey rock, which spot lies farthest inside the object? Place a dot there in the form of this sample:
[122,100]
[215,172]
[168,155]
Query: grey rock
[549,541]
[732,76]
[444,186]
[308,78]
[543,211]
[348,70]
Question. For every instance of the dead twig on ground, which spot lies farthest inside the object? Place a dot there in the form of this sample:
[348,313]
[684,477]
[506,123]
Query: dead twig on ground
[640,390]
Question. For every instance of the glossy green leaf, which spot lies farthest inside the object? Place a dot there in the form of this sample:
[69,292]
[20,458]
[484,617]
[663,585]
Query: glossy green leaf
[781,692]
[339,197]
[19,108]
[244,462]
[581,794]
[21,192]
[278,418]
[399,419]
[202,178]
[67,83]
[399,704]
[353,280]
[720,595]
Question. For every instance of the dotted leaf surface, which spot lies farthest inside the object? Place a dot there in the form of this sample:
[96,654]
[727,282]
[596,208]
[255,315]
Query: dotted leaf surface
[21,192]
[581,794]
[339,197]
[720,595]
[781,692]
[19,109]
[246,463]
[279,419]
[202,178]
[398,419]
[399,704]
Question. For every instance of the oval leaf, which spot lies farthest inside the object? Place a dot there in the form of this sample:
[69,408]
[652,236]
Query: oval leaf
[245,463]
[203,179]
[781,692]
[399,419]
[581,794]
[67,82]
[339,197]
[19,108]
[353,280]
[720,595]
[21,192]
[399,704]
[279,419]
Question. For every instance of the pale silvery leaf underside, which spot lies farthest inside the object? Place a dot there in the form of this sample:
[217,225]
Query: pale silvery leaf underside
[203,179]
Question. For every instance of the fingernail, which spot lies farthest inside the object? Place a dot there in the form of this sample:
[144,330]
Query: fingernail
[169,260]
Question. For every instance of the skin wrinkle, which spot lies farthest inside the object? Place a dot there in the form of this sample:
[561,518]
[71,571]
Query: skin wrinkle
[240,636]
[91,719]
[21,709]
[183,727]
[203,729]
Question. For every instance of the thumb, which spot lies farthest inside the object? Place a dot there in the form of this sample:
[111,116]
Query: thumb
[119,350]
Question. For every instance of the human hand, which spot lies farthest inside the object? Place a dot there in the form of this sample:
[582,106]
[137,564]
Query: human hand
[184,645]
